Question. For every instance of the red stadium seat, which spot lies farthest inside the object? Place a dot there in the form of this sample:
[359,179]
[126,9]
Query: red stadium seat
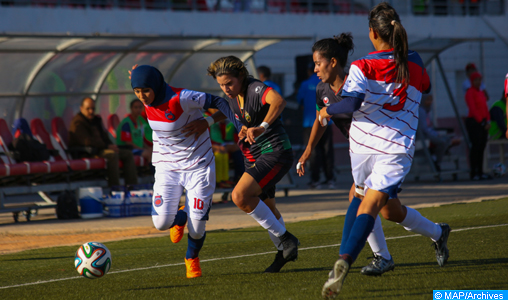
[113,122]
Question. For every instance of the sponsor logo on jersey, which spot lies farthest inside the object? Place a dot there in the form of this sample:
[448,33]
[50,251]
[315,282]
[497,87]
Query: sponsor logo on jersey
[258,90]
[194,98]
[169,115]
[236,117]
[158,201]
[247,117]
[201,161]
[326,101]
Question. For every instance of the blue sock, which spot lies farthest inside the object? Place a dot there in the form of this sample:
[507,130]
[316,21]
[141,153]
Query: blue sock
[194,246]
[361,229]
[352,210]
[180,218]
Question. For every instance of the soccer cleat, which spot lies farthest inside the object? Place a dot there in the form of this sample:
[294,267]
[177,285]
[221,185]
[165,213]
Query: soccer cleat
[336,278]
[290,246]
[176,232]
[440,245]
[193,267]
[277,264]
[378,266]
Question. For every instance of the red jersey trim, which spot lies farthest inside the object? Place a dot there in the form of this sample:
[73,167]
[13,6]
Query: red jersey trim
[263,98]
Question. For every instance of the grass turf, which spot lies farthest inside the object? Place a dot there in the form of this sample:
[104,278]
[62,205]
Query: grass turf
[478,260]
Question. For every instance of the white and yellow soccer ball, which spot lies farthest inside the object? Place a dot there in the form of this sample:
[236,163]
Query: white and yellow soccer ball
[92,260]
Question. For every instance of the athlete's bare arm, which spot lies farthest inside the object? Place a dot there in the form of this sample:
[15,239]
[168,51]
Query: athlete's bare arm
[277,104]
[315,135]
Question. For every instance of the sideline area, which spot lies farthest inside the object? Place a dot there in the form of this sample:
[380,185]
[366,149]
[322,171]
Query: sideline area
[45,230]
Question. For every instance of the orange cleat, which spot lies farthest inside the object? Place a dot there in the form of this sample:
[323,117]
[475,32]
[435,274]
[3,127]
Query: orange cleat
[193,267]
[176,232]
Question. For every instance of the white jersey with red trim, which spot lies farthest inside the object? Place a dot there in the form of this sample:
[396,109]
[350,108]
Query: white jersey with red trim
[387,120]
[171,149]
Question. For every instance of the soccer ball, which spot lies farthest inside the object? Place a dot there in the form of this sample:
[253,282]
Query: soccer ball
[93,260]
[499,170]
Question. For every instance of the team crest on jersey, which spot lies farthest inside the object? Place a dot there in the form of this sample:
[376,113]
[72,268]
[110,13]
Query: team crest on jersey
[326,101]
[158,201]
[247,117]
[169,115]
[258,90]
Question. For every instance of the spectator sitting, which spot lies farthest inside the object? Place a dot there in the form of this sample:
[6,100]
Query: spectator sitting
[439,143]
[264,74]
[470,69]
[87,130]
[134,133]
[498,119]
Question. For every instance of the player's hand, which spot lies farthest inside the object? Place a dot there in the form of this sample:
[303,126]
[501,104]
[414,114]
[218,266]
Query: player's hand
[324,116]
[300,167]
[130,72]
[253,133]
[243,133]
[196,127]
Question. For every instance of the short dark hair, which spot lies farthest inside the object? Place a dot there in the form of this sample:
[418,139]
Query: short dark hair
[265,71]
[134,101]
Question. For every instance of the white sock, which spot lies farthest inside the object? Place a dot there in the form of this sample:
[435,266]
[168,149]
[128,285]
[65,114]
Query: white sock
[417,223]
[377,240]
[276,240]
[265,217]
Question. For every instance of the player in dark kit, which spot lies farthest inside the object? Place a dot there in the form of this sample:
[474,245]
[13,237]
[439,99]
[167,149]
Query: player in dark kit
[330,56]
[266,148]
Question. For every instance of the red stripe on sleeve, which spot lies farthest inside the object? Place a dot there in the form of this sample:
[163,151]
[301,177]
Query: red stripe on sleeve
[263,100]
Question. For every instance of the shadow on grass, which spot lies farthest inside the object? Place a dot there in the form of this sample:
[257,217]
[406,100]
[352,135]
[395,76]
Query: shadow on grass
[40,258]
[459,263]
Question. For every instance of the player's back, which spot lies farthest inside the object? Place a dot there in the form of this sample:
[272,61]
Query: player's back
[388,118]
[173,151]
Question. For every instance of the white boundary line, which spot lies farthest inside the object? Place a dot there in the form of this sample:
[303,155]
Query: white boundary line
[233,257]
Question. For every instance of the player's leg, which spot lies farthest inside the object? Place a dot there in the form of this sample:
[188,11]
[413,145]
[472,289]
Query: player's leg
[166,198]
[279,261]
[413,221]
[200,186]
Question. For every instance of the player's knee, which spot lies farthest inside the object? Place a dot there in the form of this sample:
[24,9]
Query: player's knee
[196,235]
[238,197]
[164,222]
[196,228]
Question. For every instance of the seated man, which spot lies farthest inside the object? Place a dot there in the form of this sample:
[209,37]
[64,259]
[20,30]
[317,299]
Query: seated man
[87,130]
[441,143]
[134,133]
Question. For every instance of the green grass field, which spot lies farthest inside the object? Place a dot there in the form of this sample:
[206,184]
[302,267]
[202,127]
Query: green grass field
[233,262]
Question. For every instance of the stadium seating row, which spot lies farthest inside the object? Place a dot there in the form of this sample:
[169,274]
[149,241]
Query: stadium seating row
[61,160]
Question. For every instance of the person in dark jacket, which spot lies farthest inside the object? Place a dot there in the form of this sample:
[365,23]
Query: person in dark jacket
[87,130]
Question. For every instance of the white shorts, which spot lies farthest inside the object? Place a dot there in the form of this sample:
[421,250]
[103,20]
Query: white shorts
[380,172]
[169,186]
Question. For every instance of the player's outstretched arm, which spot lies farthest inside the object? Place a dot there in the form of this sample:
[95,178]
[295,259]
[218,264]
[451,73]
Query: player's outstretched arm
[315,135]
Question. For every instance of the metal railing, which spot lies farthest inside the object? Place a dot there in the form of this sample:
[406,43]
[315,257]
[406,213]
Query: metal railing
[416,7]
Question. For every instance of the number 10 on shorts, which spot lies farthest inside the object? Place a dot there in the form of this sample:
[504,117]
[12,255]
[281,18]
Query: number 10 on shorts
[198,203]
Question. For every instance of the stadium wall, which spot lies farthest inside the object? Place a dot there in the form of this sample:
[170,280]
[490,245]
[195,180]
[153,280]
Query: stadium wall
[490,57]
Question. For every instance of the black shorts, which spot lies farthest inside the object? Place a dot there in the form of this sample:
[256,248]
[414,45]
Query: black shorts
[268,169]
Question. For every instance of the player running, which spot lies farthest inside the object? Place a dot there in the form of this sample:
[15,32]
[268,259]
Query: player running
[330,57]
[180,161]
[383,90]
[268,155]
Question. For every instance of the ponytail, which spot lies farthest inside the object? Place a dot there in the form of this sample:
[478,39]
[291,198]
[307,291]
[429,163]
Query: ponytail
[337,47]
[385,21]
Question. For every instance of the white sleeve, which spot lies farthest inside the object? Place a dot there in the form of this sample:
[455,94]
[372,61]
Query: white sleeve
[190,100]
[356,83]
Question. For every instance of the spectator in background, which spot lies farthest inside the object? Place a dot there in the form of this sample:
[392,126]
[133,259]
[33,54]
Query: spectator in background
[477,125]
[265,74]
[470,69]
[498,128]
[439,143]
[322,156]
[134,133]
[87,130]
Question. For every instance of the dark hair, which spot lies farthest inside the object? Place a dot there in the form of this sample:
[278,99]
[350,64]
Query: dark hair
[470,67]
[265,71]
[338,47]
[385,21]
[229,65]
[134,101]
